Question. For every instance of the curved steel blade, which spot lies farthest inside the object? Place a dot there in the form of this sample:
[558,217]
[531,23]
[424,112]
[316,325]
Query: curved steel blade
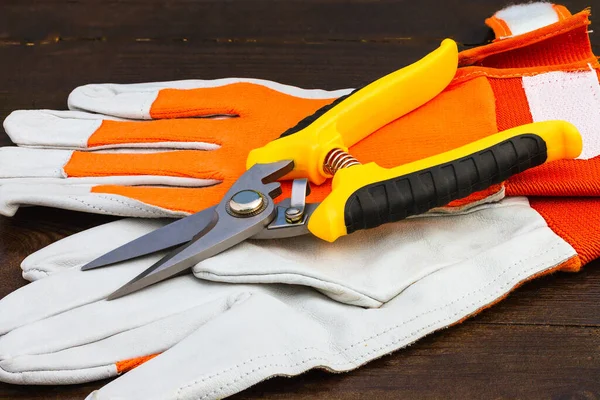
[174,234]
[223,236]
[227,231]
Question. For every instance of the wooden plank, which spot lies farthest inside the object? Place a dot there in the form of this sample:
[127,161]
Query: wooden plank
[260,20]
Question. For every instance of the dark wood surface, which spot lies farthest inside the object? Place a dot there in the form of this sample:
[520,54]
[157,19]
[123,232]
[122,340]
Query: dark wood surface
[542,342]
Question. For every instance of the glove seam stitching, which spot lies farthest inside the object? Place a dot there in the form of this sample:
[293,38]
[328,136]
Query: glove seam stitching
[117,201]
[333,287]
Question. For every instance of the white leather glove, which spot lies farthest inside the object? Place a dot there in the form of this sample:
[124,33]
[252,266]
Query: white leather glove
[215,339]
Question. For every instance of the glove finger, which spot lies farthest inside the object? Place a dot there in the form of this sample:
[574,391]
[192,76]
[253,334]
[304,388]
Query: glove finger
[49,128]
[105,338]
[197,168]
[81,130]
[67,179]
[78,249]
[190,98]
[106,174]
[258,337]
[64,291]
[124,201]
[17,162]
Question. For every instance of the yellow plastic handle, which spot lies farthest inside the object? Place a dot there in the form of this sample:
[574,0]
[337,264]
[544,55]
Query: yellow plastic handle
[366,196]
[361,114]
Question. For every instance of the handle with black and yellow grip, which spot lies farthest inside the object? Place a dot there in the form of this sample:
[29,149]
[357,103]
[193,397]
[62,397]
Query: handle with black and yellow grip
[366,196]
[354,117]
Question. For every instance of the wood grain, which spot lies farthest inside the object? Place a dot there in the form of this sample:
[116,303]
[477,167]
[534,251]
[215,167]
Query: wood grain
[542,342]
[246,21]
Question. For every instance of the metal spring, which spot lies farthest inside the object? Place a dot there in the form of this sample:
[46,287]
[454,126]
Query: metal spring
[337,159]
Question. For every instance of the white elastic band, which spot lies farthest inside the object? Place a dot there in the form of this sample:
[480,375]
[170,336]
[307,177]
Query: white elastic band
[570,96]
[523,18]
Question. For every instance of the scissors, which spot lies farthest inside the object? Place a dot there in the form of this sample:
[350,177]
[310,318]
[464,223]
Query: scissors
[363,195]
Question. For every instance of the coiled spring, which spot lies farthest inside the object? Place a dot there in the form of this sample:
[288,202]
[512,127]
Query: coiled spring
[337,159]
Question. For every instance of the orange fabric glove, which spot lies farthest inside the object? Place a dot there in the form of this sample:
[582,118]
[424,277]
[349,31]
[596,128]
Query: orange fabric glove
[152,150]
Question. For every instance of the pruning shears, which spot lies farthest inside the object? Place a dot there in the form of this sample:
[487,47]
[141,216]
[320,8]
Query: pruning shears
[363,195]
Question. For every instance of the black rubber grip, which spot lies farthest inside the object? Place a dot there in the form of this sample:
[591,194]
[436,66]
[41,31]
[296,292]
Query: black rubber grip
[306,121]
[415,193]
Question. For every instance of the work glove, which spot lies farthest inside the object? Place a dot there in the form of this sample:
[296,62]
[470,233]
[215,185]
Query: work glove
[199,339]
[141,150]
[295,306]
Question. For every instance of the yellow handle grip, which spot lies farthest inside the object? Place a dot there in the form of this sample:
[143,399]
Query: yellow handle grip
[366,196]
[362,113]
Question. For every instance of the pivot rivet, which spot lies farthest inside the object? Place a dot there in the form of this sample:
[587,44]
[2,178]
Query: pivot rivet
[246,203]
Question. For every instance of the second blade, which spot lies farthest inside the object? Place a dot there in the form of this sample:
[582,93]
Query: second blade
[171,235]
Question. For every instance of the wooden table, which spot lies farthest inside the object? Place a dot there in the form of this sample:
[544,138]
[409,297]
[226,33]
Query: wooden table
[542,342]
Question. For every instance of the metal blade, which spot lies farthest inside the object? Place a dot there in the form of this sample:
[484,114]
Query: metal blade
[220,238]
[229,228]
[174,234]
